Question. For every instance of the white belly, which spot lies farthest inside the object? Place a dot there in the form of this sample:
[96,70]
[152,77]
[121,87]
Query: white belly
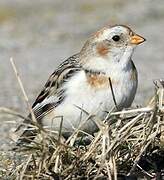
[81,98]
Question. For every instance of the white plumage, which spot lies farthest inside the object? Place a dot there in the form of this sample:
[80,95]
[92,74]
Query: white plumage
[81,85]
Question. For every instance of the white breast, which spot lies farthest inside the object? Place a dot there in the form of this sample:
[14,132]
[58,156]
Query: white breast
[81,98]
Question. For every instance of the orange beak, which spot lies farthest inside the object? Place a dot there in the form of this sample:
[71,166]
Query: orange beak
[136,39]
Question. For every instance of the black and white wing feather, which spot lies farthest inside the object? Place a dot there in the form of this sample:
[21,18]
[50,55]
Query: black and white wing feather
[50,97]
[53,93]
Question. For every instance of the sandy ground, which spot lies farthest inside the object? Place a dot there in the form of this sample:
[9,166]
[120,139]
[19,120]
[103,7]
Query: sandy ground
[40,34]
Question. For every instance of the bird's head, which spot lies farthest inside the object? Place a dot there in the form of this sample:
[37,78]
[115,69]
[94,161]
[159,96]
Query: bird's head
[113,43]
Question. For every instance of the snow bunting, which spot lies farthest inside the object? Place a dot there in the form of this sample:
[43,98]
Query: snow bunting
[101,76]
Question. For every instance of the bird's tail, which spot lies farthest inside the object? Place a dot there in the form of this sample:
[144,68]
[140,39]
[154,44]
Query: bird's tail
[26,132]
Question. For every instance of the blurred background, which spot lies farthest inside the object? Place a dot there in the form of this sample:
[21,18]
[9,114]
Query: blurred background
[40,34]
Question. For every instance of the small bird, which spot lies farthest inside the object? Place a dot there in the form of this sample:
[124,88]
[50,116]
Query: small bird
[95,80]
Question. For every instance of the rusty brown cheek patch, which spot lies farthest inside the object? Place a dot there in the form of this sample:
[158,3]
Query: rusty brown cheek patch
[102,49]
[98,81]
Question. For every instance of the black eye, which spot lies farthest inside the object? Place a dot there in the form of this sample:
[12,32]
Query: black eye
[116,38]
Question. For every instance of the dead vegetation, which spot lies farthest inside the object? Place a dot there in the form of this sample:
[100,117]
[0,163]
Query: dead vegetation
[129,144]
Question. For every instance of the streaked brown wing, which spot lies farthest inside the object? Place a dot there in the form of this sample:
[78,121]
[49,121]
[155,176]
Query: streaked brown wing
[51,96]
[57,78]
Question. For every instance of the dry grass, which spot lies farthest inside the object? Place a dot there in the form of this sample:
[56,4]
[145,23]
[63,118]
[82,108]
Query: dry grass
[129,143]
[126,141]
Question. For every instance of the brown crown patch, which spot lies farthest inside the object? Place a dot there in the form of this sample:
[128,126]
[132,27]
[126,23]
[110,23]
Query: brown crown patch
[100,32]
[102,49]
